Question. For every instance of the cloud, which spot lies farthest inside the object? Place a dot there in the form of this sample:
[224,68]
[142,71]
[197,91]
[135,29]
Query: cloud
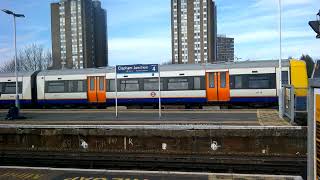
[6,54]
[271,50]
[268,35]
[126,12]
[142,50]
[274,3]
[290,17]
[4,50]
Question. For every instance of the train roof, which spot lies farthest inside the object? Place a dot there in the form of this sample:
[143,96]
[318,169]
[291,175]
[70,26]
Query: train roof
[176,67]
[12,74]
[226,65]
[77,71]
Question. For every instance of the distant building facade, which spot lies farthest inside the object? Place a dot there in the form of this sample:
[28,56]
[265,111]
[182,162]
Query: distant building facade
[194,31]
[225,48]
[79,34]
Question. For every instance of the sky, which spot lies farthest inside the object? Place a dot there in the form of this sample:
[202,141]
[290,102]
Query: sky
[140,31]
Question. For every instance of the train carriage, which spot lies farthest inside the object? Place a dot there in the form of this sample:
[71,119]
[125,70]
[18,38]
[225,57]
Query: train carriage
[178,86]
[71,87]
[241,83]
[26,88]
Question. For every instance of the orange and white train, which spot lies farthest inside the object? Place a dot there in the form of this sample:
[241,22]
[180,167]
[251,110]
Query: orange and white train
[241,83]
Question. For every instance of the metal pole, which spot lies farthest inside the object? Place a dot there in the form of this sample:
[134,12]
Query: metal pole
[312,154]
[15,61]
[159,91]
[280,63]
[116,89]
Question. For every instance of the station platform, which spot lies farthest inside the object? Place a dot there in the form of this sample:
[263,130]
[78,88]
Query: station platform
[243,117]
[241,141]
[28,173]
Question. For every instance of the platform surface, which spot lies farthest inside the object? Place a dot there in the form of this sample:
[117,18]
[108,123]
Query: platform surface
[241,117]
[27,173]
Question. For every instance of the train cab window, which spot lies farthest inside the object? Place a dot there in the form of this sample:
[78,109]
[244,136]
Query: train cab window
[10,88]
[92,88]
[223,80]
[111,85]
[101,83]
[178,84]
[55,87]
[152,84]
[129,85]
[211,80]
[285,77]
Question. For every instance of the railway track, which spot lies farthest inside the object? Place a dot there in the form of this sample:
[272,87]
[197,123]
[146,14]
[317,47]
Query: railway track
[193,163]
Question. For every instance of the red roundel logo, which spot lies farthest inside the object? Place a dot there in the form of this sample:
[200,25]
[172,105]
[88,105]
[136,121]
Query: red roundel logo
[153,94]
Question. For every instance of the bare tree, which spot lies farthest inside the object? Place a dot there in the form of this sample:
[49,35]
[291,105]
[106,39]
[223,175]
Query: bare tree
[7,66]
[169,62]
[30,58]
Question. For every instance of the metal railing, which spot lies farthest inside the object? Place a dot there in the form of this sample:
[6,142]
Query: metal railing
[288,102]
[294,101]
[313,132]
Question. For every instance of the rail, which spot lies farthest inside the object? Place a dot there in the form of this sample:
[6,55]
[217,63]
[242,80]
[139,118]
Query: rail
[155,127]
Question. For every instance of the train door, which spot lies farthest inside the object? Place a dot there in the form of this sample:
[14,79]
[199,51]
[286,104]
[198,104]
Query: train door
[96,89]
[223,86]
[218,86]
[212,89]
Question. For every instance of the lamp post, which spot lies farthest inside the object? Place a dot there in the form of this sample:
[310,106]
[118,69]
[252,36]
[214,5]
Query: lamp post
[15,50]
[315,25]
[280,62]
[318,19]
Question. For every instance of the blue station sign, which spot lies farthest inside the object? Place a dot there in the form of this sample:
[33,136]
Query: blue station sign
[137,68]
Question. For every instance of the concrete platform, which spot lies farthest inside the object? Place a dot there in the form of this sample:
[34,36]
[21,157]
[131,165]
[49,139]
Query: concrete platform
[149,117]
[13,173]
[241,141]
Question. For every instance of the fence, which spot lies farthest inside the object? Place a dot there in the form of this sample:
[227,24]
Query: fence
[313,129]
[294,102]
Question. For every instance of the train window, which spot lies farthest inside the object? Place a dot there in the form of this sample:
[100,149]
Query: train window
[238,82]
[0,88]
[129,85]
[10,87]
[253,81]
[178,84]
[223,79]
[81,86]
[101,83]
[76,86]
[55,87]
[285,77]
[197,83]
[261,81]
[152,84]
[92,88]
[211,80]
[71,86]
[110,85]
